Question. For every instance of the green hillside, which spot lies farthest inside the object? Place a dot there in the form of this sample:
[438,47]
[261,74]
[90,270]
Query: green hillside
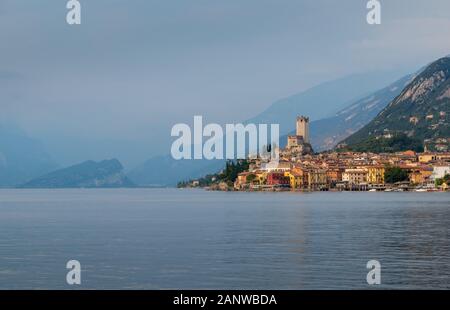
[419,114]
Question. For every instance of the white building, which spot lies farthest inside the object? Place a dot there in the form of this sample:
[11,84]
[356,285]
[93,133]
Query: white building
[355,176]
[276,166]
[440,171]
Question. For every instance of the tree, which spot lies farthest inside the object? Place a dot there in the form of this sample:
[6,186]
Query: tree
[232,170]
[399,142]
[445,179]
[228,175]
[250,178]
[395,174]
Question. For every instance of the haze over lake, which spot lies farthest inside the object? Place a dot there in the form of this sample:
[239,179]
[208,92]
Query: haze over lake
[192,239]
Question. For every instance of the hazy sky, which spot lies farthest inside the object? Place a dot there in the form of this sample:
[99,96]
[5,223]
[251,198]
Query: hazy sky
[136,67]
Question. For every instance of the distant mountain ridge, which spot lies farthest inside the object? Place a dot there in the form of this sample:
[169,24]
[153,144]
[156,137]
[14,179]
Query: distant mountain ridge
[165,171]
[421,112]
[324,100]
[89,174]
[328,132]
[21,157]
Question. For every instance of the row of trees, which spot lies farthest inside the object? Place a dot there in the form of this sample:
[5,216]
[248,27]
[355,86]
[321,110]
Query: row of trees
[232,170]
[395,174]
[399,142]
[228,175]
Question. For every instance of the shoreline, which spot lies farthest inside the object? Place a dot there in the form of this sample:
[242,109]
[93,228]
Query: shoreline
[281,190]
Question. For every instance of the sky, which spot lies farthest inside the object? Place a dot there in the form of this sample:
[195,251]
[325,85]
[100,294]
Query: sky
[118,82]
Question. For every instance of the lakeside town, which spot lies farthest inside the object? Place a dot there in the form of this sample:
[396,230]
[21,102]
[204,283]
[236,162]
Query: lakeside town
[299,169]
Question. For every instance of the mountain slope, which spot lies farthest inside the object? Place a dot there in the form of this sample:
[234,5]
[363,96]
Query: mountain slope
[322,101]
[89,174]
[421,112]
[326,133]
[165,171]
[21,157]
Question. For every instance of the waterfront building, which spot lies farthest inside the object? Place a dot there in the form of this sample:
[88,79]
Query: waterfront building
[420,175]
[334,175]
[261,177]
[241,180]
[247,180]
[296,179]
[278,179]
[439,171]
[375,175]
[355,176]
[317,179]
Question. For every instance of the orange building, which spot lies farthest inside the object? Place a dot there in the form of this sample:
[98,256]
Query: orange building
[334,175]
[420,175]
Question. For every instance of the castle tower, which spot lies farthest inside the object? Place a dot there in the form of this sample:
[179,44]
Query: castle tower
[303,128]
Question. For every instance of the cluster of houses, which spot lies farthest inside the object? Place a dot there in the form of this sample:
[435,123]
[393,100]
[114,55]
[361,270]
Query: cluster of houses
[346,171]
[298,168]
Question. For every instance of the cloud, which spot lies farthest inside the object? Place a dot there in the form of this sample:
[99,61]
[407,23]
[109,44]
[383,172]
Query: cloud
[133,68]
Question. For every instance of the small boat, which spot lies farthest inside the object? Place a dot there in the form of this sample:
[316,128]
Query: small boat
[421,190]
[373,190]
[400,190]
[388,190]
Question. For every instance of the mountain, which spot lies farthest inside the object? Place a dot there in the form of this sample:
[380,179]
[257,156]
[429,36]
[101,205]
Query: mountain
[327,132]
[324,100]
[21,157]
[420,113]
[318,102]
[165,171]
[89,174]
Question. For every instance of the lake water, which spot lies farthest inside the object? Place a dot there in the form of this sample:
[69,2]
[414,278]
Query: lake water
[193,239]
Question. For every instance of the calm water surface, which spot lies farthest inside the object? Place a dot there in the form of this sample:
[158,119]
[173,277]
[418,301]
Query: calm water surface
[189,239]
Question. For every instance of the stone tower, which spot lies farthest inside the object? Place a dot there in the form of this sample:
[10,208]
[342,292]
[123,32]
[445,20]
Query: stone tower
[303,128]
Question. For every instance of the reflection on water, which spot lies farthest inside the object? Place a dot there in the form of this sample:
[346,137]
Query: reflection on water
[159,239]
